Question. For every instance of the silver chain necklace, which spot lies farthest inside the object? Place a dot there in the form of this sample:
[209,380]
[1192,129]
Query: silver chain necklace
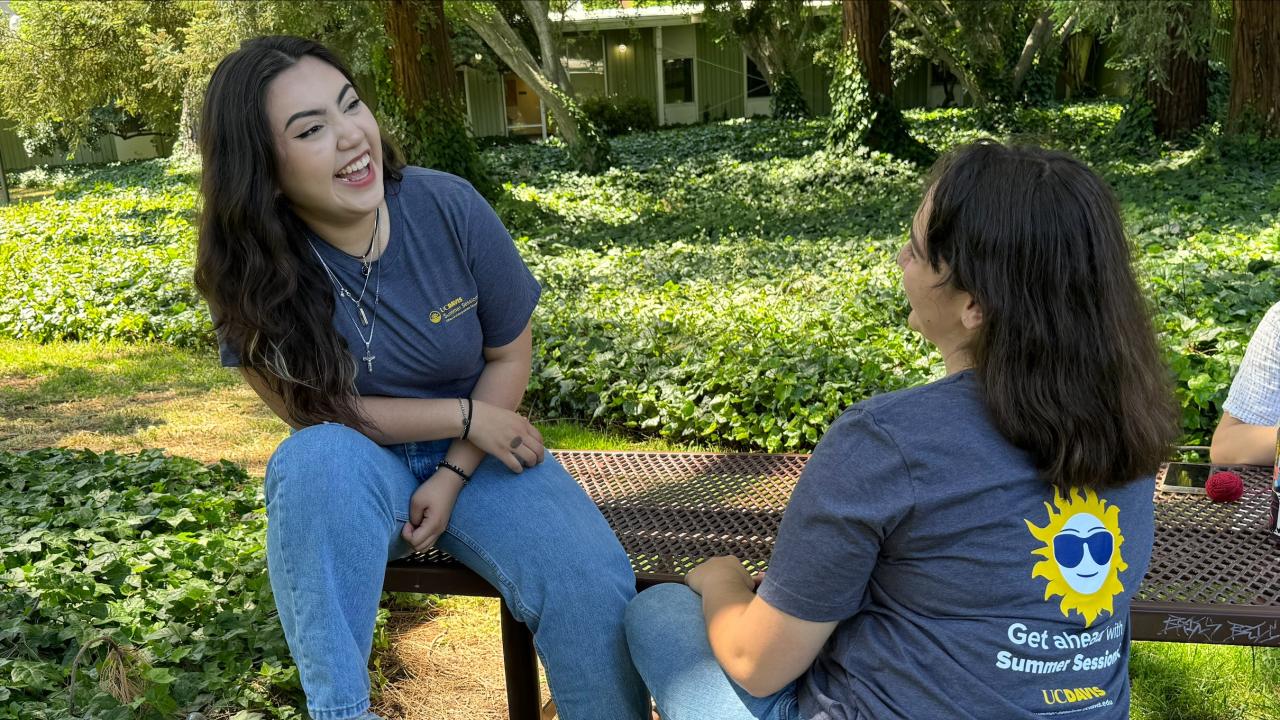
[369,357]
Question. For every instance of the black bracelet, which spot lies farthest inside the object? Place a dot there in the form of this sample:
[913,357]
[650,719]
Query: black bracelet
[450,466]
[466,419]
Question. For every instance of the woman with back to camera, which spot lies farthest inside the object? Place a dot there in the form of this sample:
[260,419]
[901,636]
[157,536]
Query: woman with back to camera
[966,548]
[383,312]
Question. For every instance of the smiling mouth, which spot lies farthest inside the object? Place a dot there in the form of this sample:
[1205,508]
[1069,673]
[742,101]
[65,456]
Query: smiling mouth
[356,171]
[1092,574]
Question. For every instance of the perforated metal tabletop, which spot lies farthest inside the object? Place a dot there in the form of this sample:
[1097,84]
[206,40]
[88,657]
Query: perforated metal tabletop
[1214,575]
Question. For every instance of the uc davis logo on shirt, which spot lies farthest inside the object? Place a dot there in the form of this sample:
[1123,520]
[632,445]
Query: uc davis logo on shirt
[452,310]
[1081,554]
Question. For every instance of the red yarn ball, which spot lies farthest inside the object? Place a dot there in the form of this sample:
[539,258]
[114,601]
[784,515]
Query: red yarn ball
[1224,486]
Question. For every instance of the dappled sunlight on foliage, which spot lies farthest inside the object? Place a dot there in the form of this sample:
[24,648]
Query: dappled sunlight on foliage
[730,283]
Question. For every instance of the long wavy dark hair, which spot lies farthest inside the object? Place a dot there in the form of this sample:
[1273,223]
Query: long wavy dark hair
[271,303]
[1066,355]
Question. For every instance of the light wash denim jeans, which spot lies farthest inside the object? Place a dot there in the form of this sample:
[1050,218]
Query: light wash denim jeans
[668,640]
[336,502]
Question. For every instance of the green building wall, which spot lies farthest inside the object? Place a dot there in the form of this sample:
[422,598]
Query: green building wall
[720,68]
[815,82]
[632,72]
[486,104]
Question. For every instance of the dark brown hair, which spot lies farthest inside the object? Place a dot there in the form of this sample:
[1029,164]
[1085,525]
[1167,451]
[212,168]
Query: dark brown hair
[1066,355]
[272,303]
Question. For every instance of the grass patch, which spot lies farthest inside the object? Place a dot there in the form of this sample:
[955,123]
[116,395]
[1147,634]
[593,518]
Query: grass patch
[116,396]
[1178,681]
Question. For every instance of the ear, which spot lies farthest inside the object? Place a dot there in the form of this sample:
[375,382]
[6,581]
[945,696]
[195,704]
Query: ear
[971,316]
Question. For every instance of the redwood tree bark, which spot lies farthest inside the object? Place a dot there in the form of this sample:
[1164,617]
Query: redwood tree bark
[440,74]
[408,72]
[866,34]
[1255,68]
[1182,104]
[868,23]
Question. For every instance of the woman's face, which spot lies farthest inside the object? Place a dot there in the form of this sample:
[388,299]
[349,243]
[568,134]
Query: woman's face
[328,146]
[938,310]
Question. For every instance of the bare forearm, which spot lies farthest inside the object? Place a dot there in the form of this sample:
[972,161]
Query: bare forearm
[723,606]
[401,420]
[1240,443]
[501,383]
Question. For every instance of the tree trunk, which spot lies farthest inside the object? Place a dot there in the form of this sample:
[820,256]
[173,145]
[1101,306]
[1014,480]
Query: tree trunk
[1255,69]
[185,145]
[1182,103]
[867,21]
[4,185]
[874,121]
[589,148]
[407,68]
[536,10]
[1035,40]
[440,74]
[426,103]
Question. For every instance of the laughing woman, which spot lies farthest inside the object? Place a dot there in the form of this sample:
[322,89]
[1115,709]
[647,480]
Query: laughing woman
[966,548]
[383,312]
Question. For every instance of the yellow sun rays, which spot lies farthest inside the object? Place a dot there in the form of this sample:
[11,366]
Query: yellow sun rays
[1091,605]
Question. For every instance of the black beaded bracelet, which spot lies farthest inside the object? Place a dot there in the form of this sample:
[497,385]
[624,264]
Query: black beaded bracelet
[457,470]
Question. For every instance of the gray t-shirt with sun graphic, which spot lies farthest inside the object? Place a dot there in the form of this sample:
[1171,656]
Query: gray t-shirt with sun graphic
[963,586]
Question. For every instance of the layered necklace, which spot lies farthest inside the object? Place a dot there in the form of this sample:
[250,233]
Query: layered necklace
[358,300]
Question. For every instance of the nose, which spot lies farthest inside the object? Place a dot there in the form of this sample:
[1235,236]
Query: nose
[903,253]
[349,133]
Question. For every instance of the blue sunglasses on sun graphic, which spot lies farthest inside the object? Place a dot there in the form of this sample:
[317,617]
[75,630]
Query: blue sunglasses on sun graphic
[1068,550]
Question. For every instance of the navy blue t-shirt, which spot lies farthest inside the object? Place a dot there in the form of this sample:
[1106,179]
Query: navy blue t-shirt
[451,284]
[963,586]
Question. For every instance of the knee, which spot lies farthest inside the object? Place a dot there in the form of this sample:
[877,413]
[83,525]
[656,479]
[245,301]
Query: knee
[315,454]
[659,607]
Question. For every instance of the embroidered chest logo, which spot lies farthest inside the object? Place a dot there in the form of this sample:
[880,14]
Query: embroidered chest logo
[452,310]
[1081,554]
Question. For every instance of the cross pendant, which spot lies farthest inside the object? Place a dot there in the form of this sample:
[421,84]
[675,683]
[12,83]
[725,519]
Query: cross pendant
[369,358]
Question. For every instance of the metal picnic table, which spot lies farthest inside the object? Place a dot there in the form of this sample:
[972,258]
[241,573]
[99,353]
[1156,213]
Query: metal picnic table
[1214,575]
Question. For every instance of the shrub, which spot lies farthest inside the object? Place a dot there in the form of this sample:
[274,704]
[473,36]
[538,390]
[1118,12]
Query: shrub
[160,556]
[620,114]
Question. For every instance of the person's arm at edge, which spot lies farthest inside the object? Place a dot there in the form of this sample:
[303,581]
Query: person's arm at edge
[1236,442]
[760,647]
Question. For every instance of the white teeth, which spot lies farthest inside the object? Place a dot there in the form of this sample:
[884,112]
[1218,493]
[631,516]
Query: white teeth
[355,166]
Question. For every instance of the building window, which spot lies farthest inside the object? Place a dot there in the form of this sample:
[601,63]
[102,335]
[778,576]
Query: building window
[583,59]
[677,80]
[756,86]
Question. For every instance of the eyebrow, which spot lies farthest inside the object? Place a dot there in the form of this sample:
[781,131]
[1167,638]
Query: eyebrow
[312,113]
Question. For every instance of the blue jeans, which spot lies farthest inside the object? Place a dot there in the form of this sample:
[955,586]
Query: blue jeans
[668,639]
[336,502]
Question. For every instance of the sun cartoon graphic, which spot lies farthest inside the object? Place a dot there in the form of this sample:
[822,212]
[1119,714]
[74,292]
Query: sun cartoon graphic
[1081,554]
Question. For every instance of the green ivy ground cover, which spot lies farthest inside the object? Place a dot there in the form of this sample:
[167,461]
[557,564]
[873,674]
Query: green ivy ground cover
[730,284]
[161,555]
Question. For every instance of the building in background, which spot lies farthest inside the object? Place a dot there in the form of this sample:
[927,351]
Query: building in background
[665,55]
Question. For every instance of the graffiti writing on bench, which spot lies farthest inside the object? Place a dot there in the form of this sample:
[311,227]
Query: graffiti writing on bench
[1210,629]
[1191,627]
[1263,633]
